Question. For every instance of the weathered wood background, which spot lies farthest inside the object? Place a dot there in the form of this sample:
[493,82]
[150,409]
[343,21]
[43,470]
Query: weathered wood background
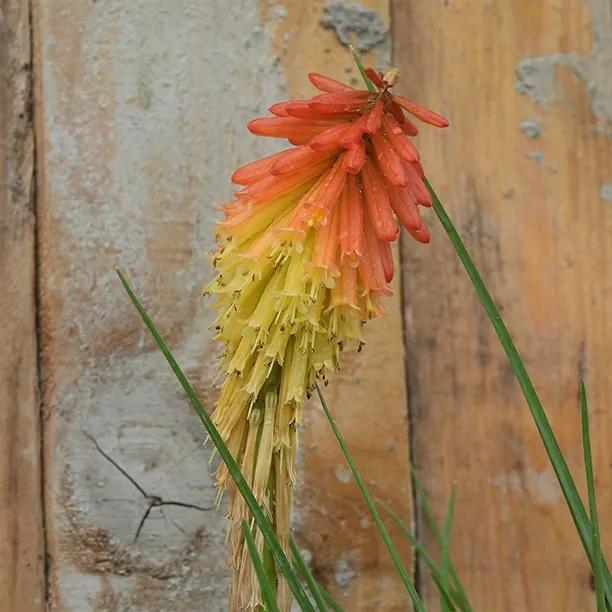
[120,124]
[525,172]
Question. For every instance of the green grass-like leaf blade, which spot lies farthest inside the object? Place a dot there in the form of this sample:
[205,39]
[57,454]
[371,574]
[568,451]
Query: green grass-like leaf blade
[568,486]
[445,549]
[357,58]
[267,592]
[426,504]
[451,597]
[598,567]
[331,602]
[401,568]
[458,588]
[302,569]
[260,519]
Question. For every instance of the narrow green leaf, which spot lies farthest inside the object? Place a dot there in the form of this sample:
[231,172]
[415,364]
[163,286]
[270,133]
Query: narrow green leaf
[414,596]
[437,533]
[450,597]
[598,567]
[331,602]
[306,575]
[267,592]
[260,519]
[425,503]
[269,567]
[568,486]
[364,76]
[445,548]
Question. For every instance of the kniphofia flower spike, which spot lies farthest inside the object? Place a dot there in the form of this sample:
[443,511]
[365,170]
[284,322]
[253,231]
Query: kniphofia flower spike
[304,258]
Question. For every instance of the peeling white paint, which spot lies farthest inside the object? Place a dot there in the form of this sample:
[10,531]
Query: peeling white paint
[355,25]
[344,572]
[536,156]
[531,129]
[342,474]
[537,75]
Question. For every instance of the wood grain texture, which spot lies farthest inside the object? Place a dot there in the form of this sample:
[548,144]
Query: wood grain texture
[368,395]
[535,215]
[22,583]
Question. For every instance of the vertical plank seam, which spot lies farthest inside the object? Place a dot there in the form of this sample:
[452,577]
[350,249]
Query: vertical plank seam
[32,117]
[409,385]
[411,393]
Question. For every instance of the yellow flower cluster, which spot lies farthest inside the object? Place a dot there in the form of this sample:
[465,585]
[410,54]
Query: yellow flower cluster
[283,322]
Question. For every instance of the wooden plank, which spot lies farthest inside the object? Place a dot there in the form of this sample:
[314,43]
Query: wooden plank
[142,113]
[22,581]
[531,201]
[142,117]
[368,395]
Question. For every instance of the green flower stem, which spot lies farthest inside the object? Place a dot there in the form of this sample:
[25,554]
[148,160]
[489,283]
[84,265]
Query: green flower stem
[371,87]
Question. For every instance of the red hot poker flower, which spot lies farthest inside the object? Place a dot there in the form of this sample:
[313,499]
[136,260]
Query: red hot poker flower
[304,258]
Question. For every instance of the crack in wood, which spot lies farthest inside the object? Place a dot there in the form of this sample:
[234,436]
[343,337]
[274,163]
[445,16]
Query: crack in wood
[154,501]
